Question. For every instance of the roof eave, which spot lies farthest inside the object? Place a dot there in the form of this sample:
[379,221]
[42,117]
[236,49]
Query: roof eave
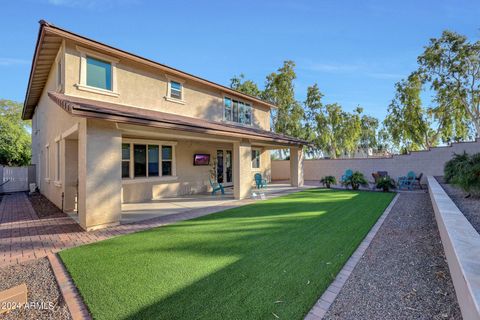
[32,68]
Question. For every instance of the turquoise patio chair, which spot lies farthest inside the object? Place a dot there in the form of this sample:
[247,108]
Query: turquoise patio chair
[407,181]
[259,181]
[348,174]
[216,187]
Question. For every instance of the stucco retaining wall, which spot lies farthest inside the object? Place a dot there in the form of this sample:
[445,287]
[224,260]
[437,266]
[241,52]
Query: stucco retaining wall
[429,162]
[461,243]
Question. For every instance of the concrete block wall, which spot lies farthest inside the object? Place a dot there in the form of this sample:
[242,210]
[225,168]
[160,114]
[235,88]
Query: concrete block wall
[430,162]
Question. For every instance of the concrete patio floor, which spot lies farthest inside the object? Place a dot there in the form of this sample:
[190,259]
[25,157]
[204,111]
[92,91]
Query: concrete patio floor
[134,212]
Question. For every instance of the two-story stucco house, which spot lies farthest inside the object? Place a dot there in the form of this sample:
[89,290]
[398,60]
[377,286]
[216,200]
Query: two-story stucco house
[110,127]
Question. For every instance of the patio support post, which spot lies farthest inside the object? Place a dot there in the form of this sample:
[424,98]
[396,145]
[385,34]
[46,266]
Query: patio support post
[296,166]
[99,174]
[242,169]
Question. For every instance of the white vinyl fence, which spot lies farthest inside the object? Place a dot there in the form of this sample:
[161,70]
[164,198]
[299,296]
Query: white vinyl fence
[14,179]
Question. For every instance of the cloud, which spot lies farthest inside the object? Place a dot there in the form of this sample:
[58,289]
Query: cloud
[12,61]
[332,67]
[91,4]
[385,75]
[365,70]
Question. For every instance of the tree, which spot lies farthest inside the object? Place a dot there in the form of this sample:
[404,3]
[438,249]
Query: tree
[338,132]
[451,65]
[408,122]
[15,139]
[280,90]
[368,134]
[246,86]
[313,106]
[450,68]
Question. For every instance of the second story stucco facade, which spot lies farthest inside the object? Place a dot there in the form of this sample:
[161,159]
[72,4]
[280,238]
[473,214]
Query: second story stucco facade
[144,86]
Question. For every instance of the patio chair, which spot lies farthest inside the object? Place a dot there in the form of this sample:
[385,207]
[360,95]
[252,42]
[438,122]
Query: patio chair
[376,176]
[407,181]
[259,181]
[418,179]
[216,187]
[348,174]
[382,174]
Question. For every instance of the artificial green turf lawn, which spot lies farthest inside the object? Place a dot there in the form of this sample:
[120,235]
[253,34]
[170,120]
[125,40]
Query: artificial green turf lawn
[275,256]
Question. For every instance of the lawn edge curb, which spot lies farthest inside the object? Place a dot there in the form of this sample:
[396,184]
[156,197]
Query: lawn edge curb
[77,308]
[322,305]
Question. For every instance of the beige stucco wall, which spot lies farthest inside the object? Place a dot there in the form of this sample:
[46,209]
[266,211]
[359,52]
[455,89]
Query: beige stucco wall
[146,87]
[429,162]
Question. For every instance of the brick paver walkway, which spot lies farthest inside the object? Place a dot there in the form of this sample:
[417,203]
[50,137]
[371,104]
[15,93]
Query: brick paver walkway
[24,237]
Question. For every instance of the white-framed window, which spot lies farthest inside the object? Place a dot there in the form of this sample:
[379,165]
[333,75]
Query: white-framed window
[175,90]
[148,159]
[256,158]
[47,162]
[237,111]
[57,160]
[97,72]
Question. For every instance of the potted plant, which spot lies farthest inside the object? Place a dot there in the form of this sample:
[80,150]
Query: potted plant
[328,181]
[356,180]
[385,183]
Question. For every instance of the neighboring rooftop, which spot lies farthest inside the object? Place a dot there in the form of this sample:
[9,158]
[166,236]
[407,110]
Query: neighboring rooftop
[49,41]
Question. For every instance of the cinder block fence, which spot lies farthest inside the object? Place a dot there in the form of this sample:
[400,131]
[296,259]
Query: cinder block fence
[430,162]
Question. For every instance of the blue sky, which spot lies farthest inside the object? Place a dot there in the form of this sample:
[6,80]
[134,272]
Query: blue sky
[354,50]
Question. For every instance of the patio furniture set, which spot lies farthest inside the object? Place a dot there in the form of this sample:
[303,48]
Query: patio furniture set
[404,182]
[260,183]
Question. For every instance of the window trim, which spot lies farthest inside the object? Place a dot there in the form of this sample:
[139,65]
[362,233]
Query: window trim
[225,96]
[60,71]
[259,159]
[168,96]
[82,84]
[159,143]
[47,162]
[58,162]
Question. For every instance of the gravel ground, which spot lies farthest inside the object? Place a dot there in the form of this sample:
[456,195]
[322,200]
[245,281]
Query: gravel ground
[44,207]
[403,274]
[470,207]
[42,291]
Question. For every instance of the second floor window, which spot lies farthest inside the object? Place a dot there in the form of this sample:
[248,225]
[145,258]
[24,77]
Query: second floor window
[99,73]
[176,90]
[237,111]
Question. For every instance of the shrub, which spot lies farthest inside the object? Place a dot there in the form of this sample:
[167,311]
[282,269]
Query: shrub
[356,180]
[464,171]
[385,183]
[328,180]
[452,166]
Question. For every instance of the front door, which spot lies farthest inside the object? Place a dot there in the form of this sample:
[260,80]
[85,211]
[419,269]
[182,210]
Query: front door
[224,167]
